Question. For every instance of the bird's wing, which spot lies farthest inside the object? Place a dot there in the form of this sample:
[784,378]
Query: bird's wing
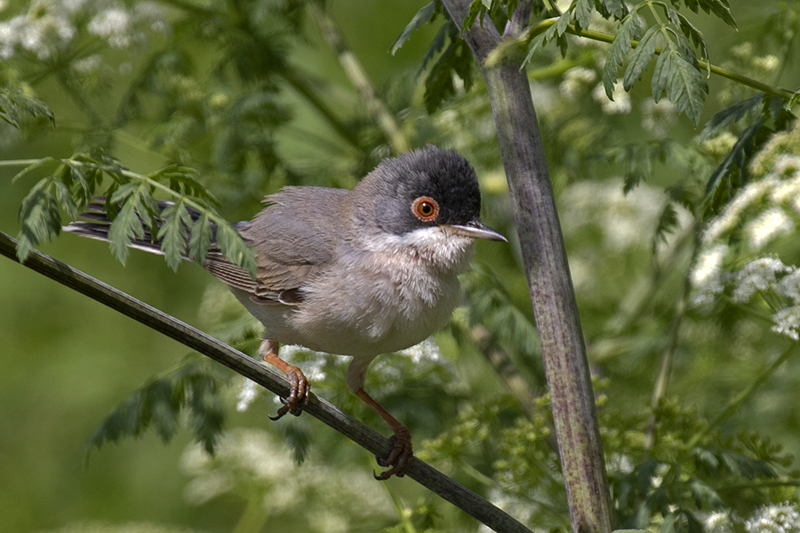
[294,238]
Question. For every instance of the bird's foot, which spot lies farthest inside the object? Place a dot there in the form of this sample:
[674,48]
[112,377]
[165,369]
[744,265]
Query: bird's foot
[298,393]
[400,456]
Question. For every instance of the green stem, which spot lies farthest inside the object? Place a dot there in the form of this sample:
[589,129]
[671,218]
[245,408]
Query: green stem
[360,80]
[302,88]
[761,485]
[254,516]
[668,356]
[20,162]
[742,396]
[594,35]
[405,517]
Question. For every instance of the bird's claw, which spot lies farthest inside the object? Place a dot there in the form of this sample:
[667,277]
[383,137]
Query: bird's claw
[400,456]
[298,395]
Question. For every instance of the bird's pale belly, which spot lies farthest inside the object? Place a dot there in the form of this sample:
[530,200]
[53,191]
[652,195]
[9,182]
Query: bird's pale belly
[358,322]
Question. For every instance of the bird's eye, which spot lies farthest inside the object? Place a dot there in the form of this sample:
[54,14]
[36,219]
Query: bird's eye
[425,208]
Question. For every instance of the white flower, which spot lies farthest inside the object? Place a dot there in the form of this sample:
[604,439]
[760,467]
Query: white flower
[787,165]
[787,322]
[771,224]
[731,215]
[575,80]
[757,275]
[620,462]
[313,362]
[114,25]
[782,518]
[248,392]
[658,117]
[425,352]
[706,276]
[620,105]
[789,286]
[768,63]
[787,191]
[718,522]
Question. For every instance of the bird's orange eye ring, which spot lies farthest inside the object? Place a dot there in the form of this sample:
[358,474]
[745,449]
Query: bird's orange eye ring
[425,208]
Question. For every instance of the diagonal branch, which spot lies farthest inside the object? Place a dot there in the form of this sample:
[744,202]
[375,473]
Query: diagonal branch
[265,376]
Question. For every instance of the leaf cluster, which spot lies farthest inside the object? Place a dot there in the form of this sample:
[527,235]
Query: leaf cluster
[185,228]
[15,103]
[766,116]
[191,390]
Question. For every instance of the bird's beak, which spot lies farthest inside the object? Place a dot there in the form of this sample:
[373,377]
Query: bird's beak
[476,230]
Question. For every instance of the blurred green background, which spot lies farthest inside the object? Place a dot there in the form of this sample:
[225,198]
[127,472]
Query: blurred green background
[66,361]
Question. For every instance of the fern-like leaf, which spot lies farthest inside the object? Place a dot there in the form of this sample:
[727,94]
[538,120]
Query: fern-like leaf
[422,16]
[641,57]
[629,30]
[173,233]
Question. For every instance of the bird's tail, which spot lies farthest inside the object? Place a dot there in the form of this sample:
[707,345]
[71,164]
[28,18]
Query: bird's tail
[96,224]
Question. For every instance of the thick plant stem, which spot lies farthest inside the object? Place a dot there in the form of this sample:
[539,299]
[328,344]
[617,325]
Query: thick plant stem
[552,294]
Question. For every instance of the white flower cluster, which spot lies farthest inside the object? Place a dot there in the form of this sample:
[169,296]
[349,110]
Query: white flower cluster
[718,522]
[759,275]
[781,518]
[707,276]
[423,358]
[658,117]
[620,105]
[624,220]
[251,461]
[50,26]
[575,82]
[764,275]
[762,212]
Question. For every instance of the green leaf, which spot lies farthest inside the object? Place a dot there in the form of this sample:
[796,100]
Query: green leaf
[682,81]
[39,216]
[420,18]
[15,101]
[720,8]
[616,8]
[200,238]
[233,247]
[174,233]
[193,387]
[456,59]
[124,228]
[732,113]
[583,13]
[640,58]
[437,44]
[667,223]
[628,31]
[736,159]
[476,9]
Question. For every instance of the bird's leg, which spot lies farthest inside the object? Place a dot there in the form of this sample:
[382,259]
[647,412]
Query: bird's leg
[401,454]
[300,388]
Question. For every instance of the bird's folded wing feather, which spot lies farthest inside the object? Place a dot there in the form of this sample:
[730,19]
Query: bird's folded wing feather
[294,241]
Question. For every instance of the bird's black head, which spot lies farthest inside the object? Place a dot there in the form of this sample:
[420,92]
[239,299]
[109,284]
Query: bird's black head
[423,188]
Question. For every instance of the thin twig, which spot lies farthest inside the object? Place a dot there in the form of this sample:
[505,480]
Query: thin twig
[742,396]
[668,356]
[359,78]
[265,376]
[503,366]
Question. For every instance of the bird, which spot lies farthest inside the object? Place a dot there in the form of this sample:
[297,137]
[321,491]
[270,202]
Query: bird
[358,273]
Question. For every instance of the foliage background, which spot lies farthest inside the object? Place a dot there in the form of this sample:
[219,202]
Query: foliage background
[66,361]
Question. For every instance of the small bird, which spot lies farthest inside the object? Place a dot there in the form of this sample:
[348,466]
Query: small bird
[359,272]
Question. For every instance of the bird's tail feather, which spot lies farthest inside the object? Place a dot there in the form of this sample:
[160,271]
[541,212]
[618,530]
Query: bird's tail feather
[96,224]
